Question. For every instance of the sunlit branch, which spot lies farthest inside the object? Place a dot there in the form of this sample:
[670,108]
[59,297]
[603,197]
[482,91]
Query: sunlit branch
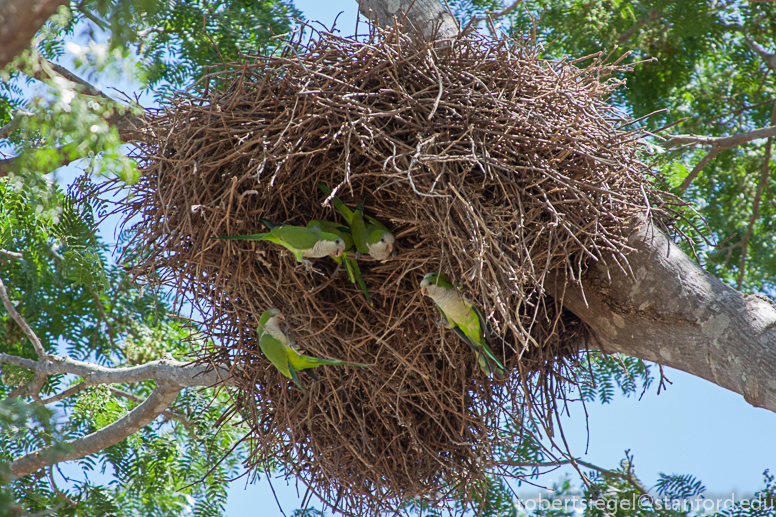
[170,415]
[164,395]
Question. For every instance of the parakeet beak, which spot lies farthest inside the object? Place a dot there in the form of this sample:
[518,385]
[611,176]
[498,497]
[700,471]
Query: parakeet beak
[390,247]
[281,318]
[337,253]
[424,291]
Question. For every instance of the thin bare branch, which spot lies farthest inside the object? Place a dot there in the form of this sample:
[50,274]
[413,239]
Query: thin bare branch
[57,491]
[53,68]
[73,390]
[697,169]
[22,323]
[625,36]
[497,14]
[164,394]
[764,173]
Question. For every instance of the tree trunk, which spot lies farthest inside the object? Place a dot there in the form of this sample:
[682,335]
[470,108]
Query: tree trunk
[19,21]
[429,17]
[668,309]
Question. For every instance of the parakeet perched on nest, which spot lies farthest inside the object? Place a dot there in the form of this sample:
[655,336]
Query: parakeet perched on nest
[370,235]
[302,242]
[464,319]
[277,348]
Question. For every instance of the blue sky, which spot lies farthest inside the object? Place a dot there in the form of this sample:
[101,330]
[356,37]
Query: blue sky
[694,427]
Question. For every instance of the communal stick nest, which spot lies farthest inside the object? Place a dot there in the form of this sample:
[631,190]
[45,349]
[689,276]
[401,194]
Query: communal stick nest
[489,164]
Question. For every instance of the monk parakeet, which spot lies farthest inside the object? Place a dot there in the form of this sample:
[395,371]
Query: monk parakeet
[369,234]
[276,347]
[464,319]
[350,264]
[301,241]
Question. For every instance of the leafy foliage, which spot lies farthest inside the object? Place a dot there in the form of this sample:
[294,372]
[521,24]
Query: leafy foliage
[677,486]
[600,374]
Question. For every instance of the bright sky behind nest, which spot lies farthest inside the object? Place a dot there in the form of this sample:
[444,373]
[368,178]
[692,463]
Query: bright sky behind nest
[693,428]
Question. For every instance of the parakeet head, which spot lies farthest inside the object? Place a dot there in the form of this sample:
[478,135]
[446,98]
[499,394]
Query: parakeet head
[333,247]
[271,317]
[381,244]
[434,282]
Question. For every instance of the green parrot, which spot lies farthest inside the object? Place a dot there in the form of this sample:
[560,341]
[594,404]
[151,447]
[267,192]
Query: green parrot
[277,348]
[350,264]
[299,240]
[370,235]
[464,319]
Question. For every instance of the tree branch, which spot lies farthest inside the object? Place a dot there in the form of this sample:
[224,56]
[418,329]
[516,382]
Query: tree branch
[672,312]
[78,388]
[764,173]
[723,142]
[9,128]
[625,36]
[22,323]
[497,14]
[20,20]
[169,414]
[177,373]
[697,169]
[164,395]
[768,58]
[11,254]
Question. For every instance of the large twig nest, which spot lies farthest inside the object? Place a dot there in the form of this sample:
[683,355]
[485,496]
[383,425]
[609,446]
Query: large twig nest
[489,164]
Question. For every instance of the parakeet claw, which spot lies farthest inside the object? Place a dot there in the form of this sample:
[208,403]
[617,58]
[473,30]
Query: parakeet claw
[308,267]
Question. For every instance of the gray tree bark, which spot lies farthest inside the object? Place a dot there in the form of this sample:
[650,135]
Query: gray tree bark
[428,17]
[668,310]
[19,21]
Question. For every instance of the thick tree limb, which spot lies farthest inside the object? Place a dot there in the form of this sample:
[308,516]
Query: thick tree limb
[176,373]
[19,21]
[428,17]
[170,375]
[164,395]
[723,142]
[768,58]
[672,312]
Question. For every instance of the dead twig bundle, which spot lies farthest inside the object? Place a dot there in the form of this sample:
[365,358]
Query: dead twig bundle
[489,164]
